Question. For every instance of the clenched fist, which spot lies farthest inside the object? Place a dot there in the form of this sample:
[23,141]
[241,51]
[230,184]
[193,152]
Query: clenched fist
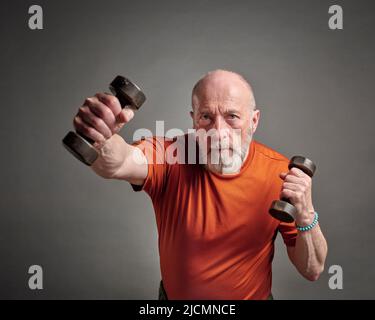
[100,117]
[297,187]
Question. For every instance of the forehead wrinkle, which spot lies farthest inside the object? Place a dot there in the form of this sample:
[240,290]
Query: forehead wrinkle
[214,106]
[218,82]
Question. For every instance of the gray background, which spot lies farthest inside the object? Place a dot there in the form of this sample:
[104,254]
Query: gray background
[96,238]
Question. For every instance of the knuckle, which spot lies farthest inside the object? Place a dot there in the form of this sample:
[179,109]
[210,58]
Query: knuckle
[82,110]
[112,100]
[76,122]
[107,99]
[84,129]
[108,134]
[90,131]
[107,114]
[105,131]
[308,181]
[87,101]
[96,122]
[97,110]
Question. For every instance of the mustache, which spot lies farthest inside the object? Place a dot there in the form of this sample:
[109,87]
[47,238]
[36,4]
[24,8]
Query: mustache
[225,145]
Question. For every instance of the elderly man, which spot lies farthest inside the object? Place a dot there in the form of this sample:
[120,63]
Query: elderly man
[216,237]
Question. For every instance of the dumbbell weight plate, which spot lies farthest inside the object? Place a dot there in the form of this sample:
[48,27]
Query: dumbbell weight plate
[80,147]
[283,211]
[306,165]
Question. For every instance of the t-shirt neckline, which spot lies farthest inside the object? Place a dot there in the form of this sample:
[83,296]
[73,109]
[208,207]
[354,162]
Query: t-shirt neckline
[244,166]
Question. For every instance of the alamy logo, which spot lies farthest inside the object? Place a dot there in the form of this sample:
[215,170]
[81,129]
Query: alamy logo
[336,21]
[36,18]
[336,280]
[36,280]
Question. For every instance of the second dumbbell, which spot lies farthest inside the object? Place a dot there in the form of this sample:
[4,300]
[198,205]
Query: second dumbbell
[282,209]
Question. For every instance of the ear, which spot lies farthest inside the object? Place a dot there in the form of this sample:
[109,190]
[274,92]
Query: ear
[192,115]
[255,119]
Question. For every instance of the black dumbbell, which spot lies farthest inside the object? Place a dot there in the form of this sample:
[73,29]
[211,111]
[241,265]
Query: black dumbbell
[282,209]
[128,94]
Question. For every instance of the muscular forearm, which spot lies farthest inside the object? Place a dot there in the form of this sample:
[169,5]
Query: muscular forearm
[310,253]
[119,160]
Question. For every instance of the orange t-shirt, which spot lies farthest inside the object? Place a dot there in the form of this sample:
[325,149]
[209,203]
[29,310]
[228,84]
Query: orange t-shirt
[216,237]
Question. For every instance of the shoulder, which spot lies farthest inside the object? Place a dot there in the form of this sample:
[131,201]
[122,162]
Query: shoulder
[269,155]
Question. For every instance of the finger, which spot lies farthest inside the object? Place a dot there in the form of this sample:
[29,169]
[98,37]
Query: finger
[291,186]
[293,196]
[297,172]
[102,111]
[294,179]
[87,131]
[93,121]
[110,101]
[282,175]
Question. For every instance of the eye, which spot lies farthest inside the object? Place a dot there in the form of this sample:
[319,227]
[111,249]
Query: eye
[205,116]
[232,116]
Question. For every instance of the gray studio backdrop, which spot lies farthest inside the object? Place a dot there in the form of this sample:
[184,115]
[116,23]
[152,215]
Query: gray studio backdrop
[96,238]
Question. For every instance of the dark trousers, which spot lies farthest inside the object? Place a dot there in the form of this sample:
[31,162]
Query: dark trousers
[163,294]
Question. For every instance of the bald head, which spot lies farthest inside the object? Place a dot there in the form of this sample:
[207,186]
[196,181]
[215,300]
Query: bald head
[223,84]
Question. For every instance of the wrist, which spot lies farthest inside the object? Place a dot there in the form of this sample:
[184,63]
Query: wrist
[309,226]
[305,219]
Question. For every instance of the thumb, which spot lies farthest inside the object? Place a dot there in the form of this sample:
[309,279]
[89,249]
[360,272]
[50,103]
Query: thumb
[125,115]
[282,175]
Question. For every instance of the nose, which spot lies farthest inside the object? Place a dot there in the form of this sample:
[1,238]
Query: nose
[221,127]
[221,130]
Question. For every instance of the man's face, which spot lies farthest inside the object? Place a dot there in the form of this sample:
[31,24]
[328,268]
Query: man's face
[223,112]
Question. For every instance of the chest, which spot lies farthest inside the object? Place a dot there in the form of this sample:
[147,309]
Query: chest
[218,210]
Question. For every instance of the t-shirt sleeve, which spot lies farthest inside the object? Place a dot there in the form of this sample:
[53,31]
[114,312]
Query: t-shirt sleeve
[289,232]
[154,150]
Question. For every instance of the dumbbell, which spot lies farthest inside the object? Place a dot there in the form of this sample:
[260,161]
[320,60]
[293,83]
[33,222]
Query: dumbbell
[128,94]
[282,209]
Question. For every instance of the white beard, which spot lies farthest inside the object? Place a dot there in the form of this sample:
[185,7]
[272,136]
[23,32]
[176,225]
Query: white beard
[225,163]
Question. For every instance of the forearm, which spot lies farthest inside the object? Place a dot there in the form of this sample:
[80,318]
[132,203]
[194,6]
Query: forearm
[118,160]
[310,253]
